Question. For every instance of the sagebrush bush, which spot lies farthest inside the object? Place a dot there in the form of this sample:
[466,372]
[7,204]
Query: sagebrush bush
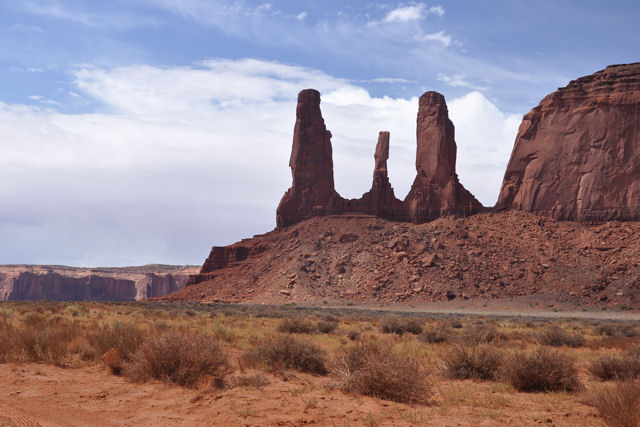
[541,370]
[481,361]
[372,368]
[287,352]
[401,325]
[625,366]
[555,336]
[326,326]
[617,330]
[481,333]
[436,334]
[179,358]
[296,325]
[618,404]
[125,338]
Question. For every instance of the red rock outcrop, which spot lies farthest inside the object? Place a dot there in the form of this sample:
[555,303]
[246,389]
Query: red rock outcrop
[380,200]
[436,190]
[60,283]
[577,154]
[221,257]
[313,192]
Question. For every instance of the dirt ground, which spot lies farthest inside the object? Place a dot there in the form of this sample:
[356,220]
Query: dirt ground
[37,394]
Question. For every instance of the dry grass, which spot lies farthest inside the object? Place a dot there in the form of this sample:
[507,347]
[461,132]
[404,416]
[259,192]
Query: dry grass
[180,359]
[372,368]
[481,334]
[436,334]
[555,336]
[481,362]
[295,325]
[541,370]
[112,361]
[326,326]
[625,366]
[401,325]
[618,404]
[287,352]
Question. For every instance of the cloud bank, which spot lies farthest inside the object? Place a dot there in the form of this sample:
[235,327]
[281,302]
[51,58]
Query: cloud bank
[177,159]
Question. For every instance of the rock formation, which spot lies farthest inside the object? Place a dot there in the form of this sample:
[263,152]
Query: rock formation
[59,283]
[577,154]
[381,200]
[436,190]
[313,192]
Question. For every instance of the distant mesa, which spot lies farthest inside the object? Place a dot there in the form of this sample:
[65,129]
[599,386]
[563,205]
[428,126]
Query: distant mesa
[436,190]
[577,154]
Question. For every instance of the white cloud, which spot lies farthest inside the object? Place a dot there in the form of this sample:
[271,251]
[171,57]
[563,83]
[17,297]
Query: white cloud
[437,10]
[301,16]
[406,13]
[459,80]
[440,36]
[103,20]
[185,157]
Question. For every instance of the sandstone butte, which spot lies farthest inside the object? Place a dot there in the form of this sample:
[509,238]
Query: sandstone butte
[576,157]
[577,154]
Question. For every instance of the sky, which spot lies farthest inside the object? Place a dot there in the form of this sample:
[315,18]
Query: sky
[146,131]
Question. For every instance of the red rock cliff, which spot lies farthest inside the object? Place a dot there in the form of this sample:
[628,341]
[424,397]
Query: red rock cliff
[577,154]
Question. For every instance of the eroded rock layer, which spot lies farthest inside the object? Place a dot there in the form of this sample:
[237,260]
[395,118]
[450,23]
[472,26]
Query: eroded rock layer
[577,154]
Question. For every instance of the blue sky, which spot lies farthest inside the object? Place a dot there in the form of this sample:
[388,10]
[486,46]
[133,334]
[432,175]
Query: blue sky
[135,131]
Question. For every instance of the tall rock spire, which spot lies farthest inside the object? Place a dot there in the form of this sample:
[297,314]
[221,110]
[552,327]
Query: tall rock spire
[312,192]
[436,190]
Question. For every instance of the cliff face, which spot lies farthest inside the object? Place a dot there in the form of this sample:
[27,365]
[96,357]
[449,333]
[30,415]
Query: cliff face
[577,154]
[436,190]
[78,284]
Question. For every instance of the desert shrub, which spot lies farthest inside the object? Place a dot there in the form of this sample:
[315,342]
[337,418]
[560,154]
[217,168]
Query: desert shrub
[35,344]
[287,352]
[625,366]
[618,404]
[81,346]
[617,330]
[34,319]
[477,362]
[179,358]
[125,338]
[354,334]
[435,334]
[372,368]
[455,324]
[541,370]
[481,333]
[326,326]
[296,325]
[112,361]
[400,326]
[555,336]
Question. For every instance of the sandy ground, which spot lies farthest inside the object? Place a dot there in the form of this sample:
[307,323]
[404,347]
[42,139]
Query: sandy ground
[45,395]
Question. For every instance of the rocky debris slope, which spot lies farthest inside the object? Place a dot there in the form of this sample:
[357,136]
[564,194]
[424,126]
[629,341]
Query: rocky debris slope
[436,190]
[365,259]
[59,283]
[577,154]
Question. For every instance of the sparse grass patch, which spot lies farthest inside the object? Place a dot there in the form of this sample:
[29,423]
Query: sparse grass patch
[372,368]
[481,333]
[541,370]
[436,334]
[618,404]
